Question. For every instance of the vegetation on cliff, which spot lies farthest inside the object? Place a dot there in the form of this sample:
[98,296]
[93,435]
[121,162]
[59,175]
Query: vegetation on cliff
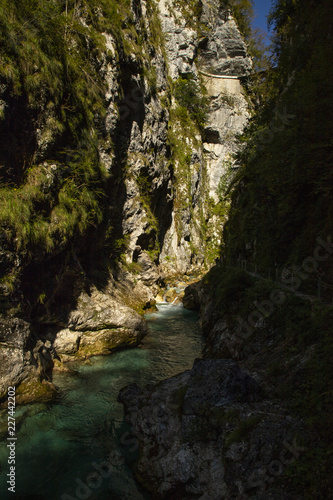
[283,191]
[49,111]
[281,218]
[53,185]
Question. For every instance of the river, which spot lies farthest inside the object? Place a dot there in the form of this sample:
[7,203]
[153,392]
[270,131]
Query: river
[61,446]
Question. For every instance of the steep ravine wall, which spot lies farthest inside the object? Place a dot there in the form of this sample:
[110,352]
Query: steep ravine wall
[158,192]
[194,46]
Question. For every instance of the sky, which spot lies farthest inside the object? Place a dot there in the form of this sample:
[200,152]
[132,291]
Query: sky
[261,9]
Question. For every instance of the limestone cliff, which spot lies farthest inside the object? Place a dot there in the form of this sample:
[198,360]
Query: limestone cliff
[210,49]
[112,189]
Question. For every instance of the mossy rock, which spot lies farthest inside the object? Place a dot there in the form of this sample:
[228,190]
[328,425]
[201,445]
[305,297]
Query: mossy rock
[32,390]
[105,341]
[243,430]
[170,295]
[160,297]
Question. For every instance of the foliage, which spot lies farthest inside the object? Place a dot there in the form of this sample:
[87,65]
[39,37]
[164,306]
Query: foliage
[190,96]
[31,216]
[52,55]
[283,196]
[282,201]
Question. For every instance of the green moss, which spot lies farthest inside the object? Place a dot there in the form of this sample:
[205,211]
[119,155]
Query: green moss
[191,96]
[98,348]
[156,36]
[31,390]
[104,341]
[133,267]
[243,430]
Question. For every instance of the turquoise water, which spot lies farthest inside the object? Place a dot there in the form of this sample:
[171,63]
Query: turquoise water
[80,447]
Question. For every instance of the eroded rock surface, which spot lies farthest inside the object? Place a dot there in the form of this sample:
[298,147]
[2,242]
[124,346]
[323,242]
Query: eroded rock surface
[98,325]
[206,433]
[24,361]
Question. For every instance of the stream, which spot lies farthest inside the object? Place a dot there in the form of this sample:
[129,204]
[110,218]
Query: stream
[79,446]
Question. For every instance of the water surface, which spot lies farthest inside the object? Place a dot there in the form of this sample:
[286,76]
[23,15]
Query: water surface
[60,445]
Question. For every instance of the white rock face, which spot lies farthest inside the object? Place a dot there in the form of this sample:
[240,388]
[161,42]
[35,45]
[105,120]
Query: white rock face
[181,42]
[222,60]
[159,207]
[227,117]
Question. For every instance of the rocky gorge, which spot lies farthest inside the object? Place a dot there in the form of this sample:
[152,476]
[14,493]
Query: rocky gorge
[161,202]
[125,182]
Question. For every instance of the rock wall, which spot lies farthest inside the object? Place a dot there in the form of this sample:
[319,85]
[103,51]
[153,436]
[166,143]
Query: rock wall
[209,441]
[212,52]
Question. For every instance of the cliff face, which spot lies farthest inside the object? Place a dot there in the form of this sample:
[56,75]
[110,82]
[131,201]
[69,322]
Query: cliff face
[195,45]
[111,181]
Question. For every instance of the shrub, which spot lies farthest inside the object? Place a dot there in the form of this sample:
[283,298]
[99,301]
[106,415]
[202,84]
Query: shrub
[190,96]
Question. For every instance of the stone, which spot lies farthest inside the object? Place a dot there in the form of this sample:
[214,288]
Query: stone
[15,334]
[227,384]
[224,51]
[99,324]
[66,342]
[24,362]
[191,298]
[190,429]
[170,295]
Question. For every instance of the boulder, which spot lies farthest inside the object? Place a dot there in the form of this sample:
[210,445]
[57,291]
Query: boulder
[25,362]
[99,324]
[170,295]
[191,298]
[14,336]
[206,432]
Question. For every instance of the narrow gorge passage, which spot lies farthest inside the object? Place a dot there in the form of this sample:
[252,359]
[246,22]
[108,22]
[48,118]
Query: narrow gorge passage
[61,446]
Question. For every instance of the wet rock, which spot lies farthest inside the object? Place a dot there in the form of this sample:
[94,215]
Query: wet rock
[160,297]
[99,324]
[14,337]
[191,298]
[181,284]
[180,297]
[170,295]
[33,390]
